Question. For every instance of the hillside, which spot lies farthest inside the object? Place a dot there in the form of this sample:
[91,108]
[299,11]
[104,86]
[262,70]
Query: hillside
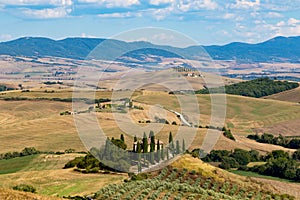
[189,178]
[255,88]
[279,49]
[16,195]
[289,95]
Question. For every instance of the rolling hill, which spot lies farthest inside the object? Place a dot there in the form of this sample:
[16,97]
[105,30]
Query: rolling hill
[279,49]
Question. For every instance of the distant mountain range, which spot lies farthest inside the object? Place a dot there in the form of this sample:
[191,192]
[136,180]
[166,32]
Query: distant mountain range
[279,49]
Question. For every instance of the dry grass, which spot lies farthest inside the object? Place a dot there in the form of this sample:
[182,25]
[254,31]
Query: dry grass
[290,95]
[37,124]
[210,171]
[45,173]
[7,194]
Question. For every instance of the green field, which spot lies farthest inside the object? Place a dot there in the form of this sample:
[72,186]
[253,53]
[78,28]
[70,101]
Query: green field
[45,173]
[253,174]
[15,164]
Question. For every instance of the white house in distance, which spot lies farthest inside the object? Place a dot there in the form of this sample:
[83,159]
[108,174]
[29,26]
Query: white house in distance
[161,144]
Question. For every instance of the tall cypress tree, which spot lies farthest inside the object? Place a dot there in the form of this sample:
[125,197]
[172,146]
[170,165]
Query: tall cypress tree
[158,153]
[183,146]
[152,141]
[177,147]
[122,137]
[145,143]
[162,153]
[170,137]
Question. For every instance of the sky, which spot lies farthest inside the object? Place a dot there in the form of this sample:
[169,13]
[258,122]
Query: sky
[207,22]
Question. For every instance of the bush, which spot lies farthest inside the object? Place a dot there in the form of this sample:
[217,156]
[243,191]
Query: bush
[228,162]
[73,163]
[24,188]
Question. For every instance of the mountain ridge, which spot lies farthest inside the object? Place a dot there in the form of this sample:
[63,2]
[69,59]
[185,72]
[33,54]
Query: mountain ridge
[278,49]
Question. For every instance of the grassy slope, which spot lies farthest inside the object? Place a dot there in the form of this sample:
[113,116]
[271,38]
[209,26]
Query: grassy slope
[8,194]
[214,181]
[274,185]
[290,95]
[15,164]
[45,173]
[38,123]
[243,113]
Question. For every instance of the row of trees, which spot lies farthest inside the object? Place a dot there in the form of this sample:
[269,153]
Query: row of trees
[255,88]
[114,155]
[278,163]
[292,143]
[25,152]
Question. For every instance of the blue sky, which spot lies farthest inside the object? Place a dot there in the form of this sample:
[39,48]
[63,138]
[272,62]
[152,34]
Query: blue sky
[206,21]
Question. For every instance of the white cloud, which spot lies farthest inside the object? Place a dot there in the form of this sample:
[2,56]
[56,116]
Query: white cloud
[159,2]
[112,3]
[273,15]
[246,4]
[37,2]
[229,16]
[84,35]
[120,15]
[47,13]
[5,37]
[189,5]
[293,21]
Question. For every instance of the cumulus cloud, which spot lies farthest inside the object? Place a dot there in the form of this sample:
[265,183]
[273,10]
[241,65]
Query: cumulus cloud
[293,21]
[37,2]
[159,2]
[189,5]
[5,37]
[120,15]
[47,13]
[112,3]
[246,4]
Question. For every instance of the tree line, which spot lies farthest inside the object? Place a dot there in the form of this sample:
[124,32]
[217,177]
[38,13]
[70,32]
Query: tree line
[114,156]
[255,88]
[278,163]
[292,143]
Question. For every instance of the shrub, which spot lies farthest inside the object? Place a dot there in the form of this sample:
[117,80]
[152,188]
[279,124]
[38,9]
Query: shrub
[24,188]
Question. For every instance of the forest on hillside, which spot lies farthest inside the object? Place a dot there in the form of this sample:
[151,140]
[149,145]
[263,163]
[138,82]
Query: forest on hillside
[255,88]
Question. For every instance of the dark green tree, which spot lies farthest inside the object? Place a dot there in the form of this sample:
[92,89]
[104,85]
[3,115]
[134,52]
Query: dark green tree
[122,137]
[242,156]
[170,137]
[135,139]
[162,153]
[152,141]
[145,143]
[177,147]
[183,146]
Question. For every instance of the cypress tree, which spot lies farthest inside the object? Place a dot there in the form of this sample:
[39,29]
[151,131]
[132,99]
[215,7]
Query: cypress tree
[152,157]
[145,143]
[135,139]
[177,147]
[122,138]
[157,145]
[183,146]
[152,142]
[167,154]
[139,147]
[162,153]
[170,137]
